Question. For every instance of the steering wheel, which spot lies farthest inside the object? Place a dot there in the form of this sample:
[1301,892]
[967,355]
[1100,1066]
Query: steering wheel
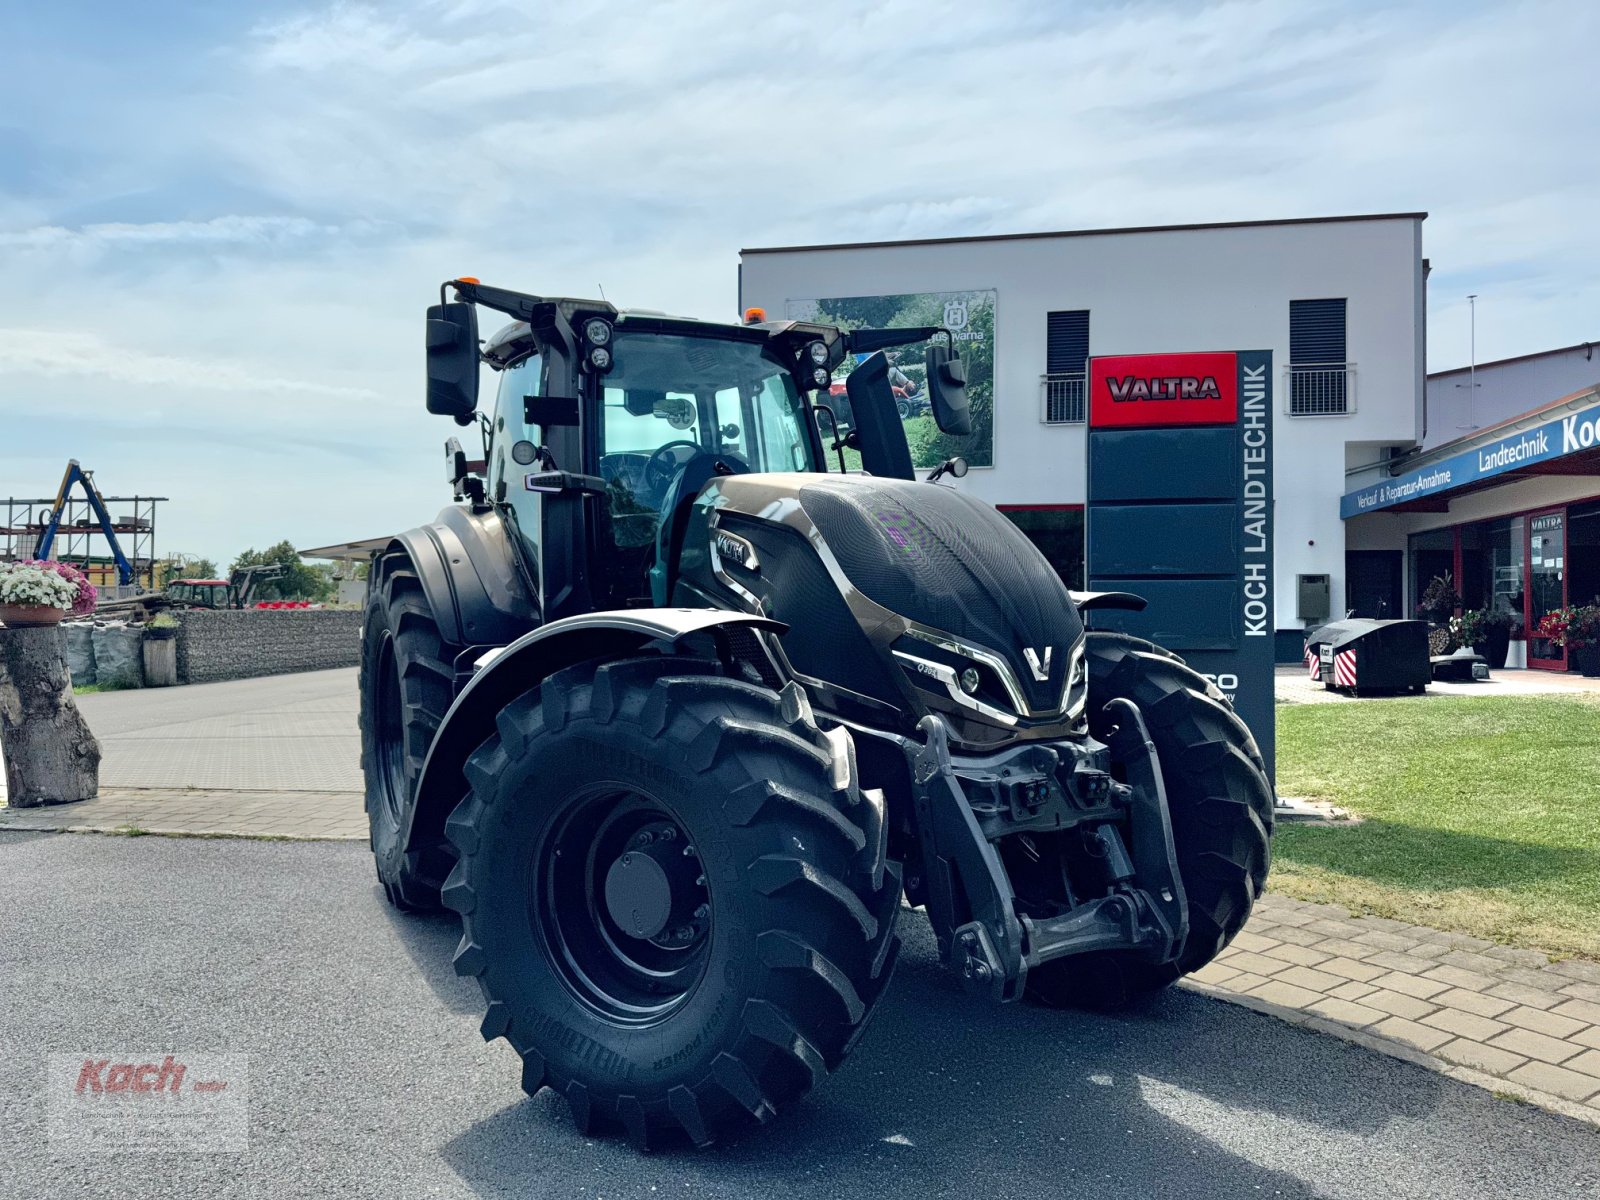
[659,469]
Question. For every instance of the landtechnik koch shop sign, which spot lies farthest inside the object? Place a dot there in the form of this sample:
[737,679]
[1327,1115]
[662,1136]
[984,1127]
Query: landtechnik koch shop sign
[1555,438]
[1180,512]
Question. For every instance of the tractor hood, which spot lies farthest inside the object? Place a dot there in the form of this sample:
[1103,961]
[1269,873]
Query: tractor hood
[911,593]
[952,564]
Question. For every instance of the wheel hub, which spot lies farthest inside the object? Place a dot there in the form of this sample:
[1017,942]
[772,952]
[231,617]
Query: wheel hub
[654,890]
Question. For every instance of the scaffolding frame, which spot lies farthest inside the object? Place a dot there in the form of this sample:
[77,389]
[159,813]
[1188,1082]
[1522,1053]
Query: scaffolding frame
[133,520]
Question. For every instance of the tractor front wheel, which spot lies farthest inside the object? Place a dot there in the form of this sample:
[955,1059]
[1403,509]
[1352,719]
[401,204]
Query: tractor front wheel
[1220,801]
[674,895]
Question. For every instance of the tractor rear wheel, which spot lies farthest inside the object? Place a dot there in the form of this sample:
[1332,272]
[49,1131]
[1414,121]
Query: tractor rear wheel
[1221,805]
[674,895]
[406,688]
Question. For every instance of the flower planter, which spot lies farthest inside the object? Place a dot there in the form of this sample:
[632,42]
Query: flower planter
[1494,647]
[24,616]
[1588,660]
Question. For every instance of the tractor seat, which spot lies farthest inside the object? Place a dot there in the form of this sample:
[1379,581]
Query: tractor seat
[675,505]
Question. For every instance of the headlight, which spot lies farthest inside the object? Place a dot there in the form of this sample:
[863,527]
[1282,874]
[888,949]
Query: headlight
[596,332]
[1076,697]
[821,377]
[970,684]
[819,353]
[600,358]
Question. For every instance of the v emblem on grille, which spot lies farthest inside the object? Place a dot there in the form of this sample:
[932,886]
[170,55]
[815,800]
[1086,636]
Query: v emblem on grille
[1039,666]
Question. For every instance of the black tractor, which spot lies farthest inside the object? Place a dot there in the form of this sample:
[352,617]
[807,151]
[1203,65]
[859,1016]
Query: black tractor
[677,719]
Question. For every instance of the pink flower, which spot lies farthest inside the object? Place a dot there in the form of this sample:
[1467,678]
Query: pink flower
[83,603]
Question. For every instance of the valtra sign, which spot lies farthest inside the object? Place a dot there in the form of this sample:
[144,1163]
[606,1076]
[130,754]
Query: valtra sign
[1179,511]
[1143,390]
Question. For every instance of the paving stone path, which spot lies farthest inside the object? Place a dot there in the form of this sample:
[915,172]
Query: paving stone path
[335,816]
[1500,1016]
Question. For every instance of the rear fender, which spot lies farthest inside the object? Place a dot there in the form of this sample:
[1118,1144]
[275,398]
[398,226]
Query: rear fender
[506,673]
[467,566]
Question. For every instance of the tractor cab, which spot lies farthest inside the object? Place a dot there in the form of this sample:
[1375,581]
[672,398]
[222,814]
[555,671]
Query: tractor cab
[639,411]
[198,593]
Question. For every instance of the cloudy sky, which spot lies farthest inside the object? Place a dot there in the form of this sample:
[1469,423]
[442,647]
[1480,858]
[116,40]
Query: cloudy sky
[219,223]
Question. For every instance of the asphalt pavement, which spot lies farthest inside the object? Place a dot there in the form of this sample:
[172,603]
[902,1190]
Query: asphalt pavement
[367,1076]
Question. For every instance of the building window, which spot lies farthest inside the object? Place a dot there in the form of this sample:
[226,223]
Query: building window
[1583,552]
[1066,361]
[1057,530]
[1319,373]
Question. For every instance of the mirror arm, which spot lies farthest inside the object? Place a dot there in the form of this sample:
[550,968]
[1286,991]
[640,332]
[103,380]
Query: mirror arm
[838,442]
[866,340]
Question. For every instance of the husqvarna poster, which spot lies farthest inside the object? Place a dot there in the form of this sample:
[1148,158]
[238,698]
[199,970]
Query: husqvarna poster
[969,316]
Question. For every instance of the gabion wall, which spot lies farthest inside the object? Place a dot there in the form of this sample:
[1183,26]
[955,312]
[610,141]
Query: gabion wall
[240,643]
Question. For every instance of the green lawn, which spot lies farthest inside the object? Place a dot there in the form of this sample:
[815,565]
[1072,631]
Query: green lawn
[1479,815]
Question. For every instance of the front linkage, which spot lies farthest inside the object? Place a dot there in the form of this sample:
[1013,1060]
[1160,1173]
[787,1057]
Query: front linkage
[964,806]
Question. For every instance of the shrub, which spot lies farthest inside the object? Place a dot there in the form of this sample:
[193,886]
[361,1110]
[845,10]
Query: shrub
[1468,628]
[1440,600]
[1500,618]
[1554,625]
[1584,627]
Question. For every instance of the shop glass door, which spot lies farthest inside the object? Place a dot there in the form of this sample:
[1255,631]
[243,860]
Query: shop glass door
[1547,583]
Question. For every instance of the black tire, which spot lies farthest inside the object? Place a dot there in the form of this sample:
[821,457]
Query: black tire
[1221,804]
[406,688]
[903,408]
[782,972]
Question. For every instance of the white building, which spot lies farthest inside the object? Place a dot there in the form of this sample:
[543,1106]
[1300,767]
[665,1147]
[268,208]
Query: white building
[1502,498]
[1465,400]
[1340,303]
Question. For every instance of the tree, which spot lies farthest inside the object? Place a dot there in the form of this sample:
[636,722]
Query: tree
[929,447]
[178,565]
[298,581]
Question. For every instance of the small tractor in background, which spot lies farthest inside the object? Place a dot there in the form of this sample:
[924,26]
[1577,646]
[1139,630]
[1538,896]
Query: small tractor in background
[236,591]
[675,718]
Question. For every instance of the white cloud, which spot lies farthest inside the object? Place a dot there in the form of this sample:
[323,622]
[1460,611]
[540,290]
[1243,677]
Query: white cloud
[270,222]
[219,231]
[56,353]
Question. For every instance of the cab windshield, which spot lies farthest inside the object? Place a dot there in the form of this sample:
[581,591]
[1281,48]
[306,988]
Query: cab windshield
[673,405]
[722,397]
[676,411]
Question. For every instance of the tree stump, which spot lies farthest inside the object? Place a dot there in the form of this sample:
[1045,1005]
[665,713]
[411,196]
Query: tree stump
[51,757]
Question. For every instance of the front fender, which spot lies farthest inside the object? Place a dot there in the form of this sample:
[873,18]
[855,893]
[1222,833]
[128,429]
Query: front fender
[1087,601]
[467,567]
[508,672]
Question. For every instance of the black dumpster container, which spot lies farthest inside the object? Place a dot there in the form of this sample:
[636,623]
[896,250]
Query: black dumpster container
[1361,656]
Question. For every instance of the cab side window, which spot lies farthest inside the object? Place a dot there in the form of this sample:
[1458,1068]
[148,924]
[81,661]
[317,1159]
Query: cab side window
[512,438]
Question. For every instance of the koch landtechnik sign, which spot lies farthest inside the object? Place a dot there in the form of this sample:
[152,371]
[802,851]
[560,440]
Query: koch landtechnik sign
[1180,512]
[1563,435]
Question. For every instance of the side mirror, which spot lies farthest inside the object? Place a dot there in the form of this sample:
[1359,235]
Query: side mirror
[875,423]
[453,361]
[947,390]
[955,467]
